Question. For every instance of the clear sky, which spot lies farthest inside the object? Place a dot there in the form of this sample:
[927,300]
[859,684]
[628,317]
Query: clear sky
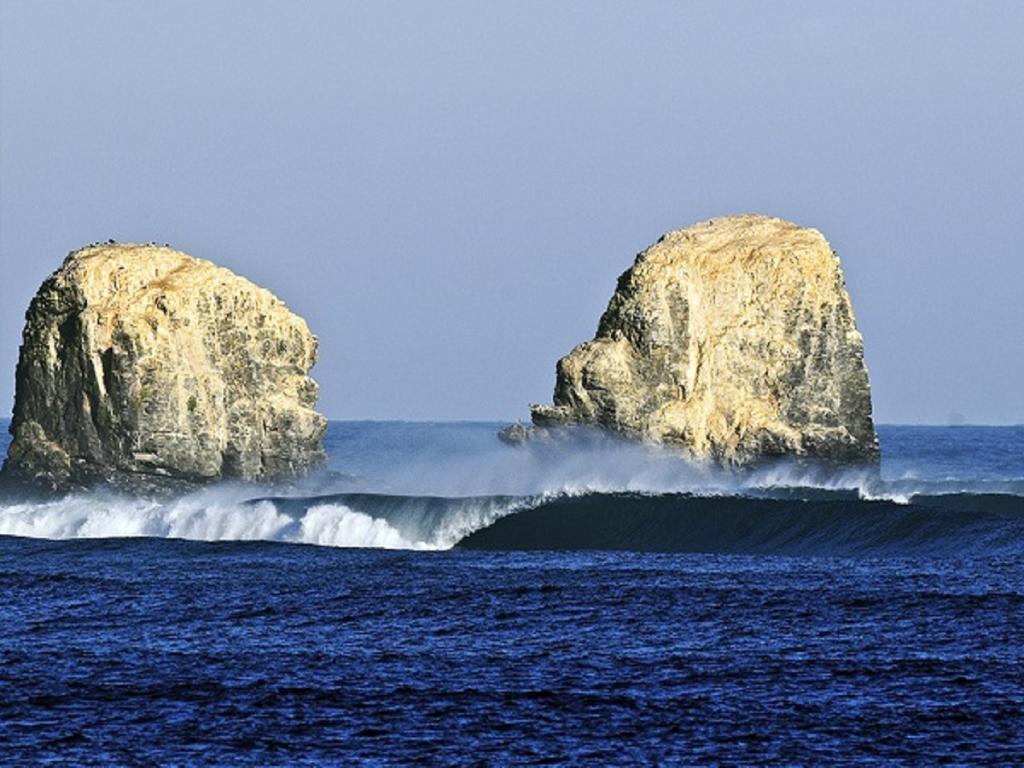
[447,191]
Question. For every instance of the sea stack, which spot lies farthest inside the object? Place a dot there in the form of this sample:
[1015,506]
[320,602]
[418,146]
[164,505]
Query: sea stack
[733,339]
[142,366]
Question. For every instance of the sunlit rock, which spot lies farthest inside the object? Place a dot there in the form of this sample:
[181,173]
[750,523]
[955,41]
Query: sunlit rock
[141,364]
[733,339]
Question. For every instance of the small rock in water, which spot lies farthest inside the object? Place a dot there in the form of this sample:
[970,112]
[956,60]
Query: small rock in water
[515,434]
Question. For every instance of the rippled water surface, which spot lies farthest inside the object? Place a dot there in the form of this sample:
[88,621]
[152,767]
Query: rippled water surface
[140,651]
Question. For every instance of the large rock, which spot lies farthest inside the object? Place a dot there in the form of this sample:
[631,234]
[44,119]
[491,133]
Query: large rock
[734,339]
[142,364]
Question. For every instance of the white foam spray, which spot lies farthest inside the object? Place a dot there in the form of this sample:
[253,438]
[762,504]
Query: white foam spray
[479,482]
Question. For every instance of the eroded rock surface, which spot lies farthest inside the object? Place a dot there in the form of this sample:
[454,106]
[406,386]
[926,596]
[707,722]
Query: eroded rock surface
[141,364]
[734,339]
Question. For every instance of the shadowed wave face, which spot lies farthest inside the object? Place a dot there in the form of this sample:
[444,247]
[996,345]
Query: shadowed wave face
[941,491]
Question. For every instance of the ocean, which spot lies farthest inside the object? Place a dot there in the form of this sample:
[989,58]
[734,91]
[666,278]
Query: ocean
[436,596]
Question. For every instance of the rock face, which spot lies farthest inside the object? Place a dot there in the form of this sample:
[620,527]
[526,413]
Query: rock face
[141,364]
[734,339]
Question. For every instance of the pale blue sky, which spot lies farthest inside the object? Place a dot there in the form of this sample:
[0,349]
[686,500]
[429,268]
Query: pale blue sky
[448,191]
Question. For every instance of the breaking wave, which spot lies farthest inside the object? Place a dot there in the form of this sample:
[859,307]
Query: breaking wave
[357,520]
[438,486]
[775,520]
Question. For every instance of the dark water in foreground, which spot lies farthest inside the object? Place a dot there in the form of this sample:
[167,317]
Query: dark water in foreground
[788,617]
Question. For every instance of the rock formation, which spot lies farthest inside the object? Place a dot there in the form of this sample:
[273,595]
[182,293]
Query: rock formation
[142,364]
[734,339]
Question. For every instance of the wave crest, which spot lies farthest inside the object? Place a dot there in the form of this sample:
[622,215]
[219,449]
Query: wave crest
[781,521]
[347,520]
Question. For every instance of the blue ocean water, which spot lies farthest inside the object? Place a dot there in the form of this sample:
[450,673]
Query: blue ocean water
[436,596]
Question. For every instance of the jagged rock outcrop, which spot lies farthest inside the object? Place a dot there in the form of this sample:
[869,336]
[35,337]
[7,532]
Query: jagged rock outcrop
[734,339]
[142,365]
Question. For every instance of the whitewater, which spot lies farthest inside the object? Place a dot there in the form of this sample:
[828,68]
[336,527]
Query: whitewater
[435,486]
